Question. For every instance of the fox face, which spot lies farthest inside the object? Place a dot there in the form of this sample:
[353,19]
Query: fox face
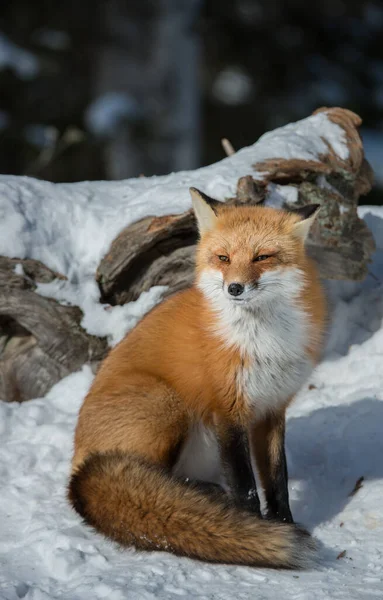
[249,254]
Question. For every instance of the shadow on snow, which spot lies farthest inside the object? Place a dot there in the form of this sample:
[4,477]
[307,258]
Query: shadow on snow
[328,450]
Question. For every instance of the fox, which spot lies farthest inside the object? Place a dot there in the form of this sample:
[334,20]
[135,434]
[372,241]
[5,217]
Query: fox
[188,410]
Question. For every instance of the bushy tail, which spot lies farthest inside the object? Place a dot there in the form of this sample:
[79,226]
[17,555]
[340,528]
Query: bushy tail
[139,504]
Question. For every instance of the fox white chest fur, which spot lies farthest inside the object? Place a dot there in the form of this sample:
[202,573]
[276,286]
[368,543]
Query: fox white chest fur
[273,334]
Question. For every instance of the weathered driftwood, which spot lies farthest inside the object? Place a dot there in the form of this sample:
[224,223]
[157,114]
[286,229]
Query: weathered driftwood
[41,341]
[160,250]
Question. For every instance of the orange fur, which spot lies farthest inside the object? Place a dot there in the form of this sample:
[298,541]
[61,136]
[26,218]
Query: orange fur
[168,374]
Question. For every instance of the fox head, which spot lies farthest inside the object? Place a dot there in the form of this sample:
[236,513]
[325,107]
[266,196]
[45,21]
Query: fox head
[250,254]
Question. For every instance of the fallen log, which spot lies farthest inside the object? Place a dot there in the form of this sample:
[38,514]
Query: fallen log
[160,250]
[43,340]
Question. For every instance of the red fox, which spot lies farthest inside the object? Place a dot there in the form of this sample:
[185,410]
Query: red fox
[198,390]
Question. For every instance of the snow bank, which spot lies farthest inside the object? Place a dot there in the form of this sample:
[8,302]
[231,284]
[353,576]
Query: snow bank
[69,227]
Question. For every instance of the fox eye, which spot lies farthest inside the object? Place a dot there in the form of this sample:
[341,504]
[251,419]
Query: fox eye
[261,257]
[223,258]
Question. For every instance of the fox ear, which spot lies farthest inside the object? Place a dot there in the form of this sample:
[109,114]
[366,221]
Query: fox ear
[205,209]
[308,215]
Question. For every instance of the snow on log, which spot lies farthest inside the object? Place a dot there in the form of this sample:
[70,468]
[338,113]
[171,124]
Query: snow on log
[40,340]
[160,251]
[75,256]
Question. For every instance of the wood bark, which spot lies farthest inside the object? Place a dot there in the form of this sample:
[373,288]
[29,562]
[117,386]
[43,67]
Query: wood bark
[41,341]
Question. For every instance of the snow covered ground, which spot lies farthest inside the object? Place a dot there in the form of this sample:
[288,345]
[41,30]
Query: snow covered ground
[334,438]
[334,432]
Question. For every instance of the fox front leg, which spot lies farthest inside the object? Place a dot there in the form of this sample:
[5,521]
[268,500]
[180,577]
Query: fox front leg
[236,460]
[268,444]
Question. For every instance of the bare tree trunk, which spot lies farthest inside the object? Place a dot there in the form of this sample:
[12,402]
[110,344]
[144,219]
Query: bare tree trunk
[150,59]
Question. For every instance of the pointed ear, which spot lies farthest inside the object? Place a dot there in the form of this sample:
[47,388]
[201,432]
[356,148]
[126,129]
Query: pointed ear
[308,215]
[205,209]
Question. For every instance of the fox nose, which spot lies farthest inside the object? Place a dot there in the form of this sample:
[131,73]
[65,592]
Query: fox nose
[235,289]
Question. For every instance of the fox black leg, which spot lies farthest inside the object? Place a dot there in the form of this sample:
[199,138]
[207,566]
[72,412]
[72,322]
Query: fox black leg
[268,444]
[236,460]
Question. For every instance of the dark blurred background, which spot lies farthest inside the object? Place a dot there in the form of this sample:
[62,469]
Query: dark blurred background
[109,89]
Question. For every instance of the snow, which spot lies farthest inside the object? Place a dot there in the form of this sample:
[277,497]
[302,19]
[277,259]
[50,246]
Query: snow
[308,136]
[70,227]
[19,270]
[334,437]
[334,433]
[101,319]
[24,63]
[42,136]
[104,116]
[233,86]
[52,38]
